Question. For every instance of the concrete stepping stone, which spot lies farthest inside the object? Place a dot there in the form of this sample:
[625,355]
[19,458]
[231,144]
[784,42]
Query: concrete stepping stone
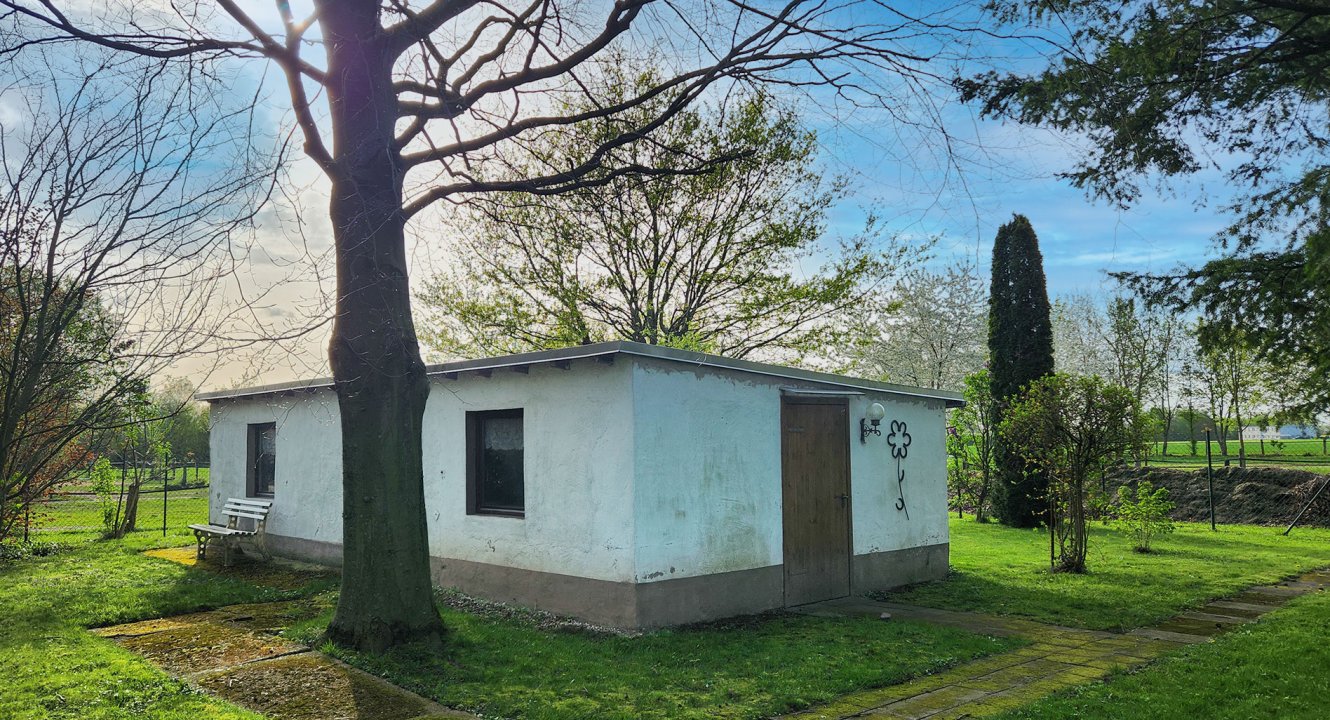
[1252,610]
[311,686]
[1219,618]
[1192,627]
[1169,636]
[203,646]
[235,654]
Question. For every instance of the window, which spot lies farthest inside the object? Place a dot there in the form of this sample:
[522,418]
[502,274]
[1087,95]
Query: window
[262,471]
[494,465]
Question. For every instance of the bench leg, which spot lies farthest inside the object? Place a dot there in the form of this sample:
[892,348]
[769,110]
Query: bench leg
[202,551]
[226,551]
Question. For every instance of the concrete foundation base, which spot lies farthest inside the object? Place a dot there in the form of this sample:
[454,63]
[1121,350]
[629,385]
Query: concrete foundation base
[886,570]
[640,606]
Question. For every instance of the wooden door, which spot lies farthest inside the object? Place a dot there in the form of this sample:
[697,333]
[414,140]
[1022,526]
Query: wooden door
[815,470]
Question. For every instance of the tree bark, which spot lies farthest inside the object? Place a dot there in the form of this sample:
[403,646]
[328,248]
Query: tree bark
[131,517]
[386,597]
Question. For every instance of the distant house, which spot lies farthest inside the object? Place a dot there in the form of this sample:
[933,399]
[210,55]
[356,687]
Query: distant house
[630,485]
[1252,433]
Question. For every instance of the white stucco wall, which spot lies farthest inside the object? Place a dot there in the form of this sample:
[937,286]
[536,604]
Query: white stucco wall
[577,427]
[708,471]
[877,525]
[708,467]
[307,495]
[642,470]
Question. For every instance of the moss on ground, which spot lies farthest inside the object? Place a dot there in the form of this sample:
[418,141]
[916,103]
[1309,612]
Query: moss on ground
[205,644]
[280,574]
[312,687]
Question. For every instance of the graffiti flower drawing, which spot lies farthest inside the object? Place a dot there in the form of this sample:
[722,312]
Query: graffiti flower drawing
[899,440]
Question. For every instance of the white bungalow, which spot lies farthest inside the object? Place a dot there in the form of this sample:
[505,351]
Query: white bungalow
[629,485]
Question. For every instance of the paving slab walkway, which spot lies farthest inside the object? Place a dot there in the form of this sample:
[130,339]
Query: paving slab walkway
[1057,658]
[235,653]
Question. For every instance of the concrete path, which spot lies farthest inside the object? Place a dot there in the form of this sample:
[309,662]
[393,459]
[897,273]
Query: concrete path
[1057,658]
[234,653]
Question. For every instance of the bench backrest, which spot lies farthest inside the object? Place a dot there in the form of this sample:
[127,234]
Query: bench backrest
[237,509]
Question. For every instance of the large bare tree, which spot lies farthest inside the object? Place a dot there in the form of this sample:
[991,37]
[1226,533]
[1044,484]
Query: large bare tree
[409,104]
[111,232]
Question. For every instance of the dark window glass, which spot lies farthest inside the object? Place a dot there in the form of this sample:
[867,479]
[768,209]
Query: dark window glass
[262,458]
[495,465]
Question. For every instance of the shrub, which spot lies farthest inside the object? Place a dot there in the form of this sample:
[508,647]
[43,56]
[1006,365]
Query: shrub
[1071,428]
[103,481]
[1144,513]
[10,552]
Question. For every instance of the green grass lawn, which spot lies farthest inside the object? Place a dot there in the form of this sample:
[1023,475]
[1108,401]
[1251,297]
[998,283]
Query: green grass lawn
[750,668]
[1298,454]
[1002,570]
[1276,668]
[51,667]
[1296,448]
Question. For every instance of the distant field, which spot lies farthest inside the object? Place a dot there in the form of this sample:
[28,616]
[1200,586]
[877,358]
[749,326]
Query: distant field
[1312,447]
[1300,454]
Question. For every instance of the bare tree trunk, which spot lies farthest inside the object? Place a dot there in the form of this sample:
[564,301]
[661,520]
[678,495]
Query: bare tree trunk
[1242,440]
[1168,429]
[980,513]
[386,596]
[131,509]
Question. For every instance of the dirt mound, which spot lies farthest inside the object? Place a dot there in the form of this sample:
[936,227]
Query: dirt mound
[1254,495]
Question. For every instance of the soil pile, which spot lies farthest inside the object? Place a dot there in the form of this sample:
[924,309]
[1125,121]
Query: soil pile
[1253,495]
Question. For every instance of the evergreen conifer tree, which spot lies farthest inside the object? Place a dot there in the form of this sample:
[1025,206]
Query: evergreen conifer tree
[1020,345]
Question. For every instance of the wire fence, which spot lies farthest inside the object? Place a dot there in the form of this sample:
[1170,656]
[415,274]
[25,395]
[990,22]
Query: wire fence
[1186,462]
[169,497]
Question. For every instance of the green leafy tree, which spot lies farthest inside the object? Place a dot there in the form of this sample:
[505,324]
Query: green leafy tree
[102,479]
[1167,88]
[185,420]
[1233,378]
[1020,348]
[702,261]
[970,440]
[1144,512]
[1070,429]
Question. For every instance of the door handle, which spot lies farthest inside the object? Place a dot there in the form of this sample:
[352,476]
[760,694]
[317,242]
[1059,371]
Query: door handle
[844,500]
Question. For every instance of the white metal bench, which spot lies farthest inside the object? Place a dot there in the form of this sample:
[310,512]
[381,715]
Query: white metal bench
[236,510]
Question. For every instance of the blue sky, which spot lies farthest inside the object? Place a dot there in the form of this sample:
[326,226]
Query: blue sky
[897,171]
[1000,168]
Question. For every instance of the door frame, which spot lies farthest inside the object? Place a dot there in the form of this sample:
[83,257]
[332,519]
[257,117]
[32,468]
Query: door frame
[843,400]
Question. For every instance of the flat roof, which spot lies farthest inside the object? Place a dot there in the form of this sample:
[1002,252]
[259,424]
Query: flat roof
[608,350]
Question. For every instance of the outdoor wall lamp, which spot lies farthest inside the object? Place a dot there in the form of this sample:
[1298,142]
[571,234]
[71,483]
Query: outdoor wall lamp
[869,425]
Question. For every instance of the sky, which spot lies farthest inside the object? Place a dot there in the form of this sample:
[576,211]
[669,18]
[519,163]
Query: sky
[895,171]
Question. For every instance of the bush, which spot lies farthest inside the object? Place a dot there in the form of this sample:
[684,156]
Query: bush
[21,551]
[1144,513]
[102,478]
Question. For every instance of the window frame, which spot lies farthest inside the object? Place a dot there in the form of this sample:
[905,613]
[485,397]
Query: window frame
[252,432]
[475,462]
